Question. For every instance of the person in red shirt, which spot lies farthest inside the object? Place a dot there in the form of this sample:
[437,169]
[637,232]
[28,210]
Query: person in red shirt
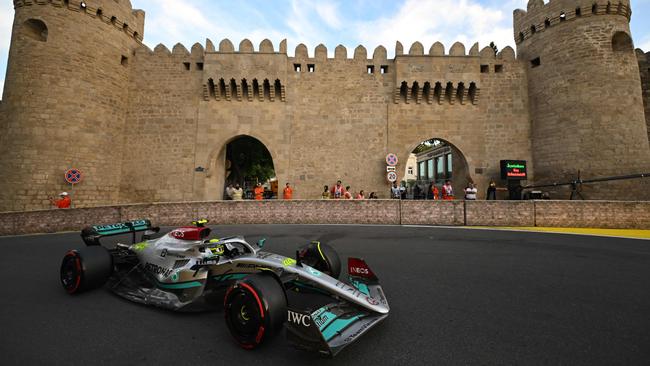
[337,191]
[63,202]
[287,192]
[259,191]
[447,191]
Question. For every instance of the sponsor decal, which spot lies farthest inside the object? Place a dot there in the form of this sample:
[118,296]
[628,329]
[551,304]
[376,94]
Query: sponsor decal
[175,277]
[140,246]
[299,319]
[288,262]
[249,265]
[313,271]
[318,312]
[264,255]
[372,301]
[163,253]
[322,320]
[351,337]
[178,234]
[357,270]
[348,289]
[156,269]
[207,261]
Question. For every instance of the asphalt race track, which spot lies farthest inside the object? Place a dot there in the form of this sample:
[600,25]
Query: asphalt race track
[457,296]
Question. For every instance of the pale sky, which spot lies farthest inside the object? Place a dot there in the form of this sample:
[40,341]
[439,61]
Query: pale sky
[332,22]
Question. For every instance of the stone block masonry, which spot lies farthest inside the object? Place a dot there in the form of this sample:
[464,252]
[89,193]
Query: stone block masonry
[589,214]
[153,125]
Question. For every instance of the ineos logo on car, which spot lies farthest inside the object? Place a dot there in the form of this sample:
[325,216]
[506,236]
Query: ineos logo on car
[300,319]
[359,270]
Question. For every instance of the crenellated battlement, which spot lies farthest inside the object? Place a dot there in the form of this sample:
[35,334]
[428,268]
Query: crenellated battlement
[541,16]
[320,53]
[119,13]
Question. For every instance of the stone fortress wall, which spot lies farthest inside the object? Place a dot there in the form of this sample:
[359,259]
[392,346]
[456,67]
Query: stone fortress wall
[142,120]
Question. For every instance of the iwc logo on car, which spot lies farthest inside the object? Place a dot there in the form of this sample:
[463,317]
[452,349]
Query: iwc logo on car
[299,319]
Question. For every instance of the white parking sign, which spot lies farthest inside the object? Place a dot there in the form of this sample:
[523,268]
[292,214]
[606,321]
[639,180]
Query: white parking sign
[392,177]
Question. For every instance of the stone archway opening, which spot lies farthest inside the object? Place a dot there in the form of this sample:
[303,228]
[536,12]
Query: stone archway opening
[431,163]
[248,162]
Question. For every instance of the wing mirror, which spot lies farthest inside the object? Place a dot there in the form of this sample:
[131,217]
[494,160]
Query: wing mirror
[260,243]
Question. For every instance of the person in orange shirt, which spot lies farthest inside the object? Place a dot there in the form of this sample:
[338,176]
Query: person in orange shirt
[435,192]
[63,202]
[287,192]
[259,191]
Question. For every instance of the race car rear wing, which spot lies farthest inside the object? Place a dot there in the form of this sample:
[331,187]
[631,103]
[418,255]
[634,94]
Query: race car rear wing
[92,234]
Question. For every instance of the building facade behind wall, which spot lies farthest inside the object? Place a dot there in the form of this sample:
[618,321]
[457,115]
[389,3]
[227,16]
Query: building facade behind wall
[82,90]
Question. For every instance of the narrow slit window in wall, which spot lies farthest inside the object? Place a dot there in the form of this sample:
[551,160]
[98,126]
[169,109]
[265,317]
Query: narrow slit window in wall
[296,67]
[384,69]
[535,62]
[498,68]
[199,66]
[370,69]
[187,66]
[311,68]
[485,69]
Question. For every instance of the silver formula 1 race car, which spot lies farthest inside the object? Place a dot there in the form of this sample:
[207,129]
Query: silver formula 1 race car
[259,291]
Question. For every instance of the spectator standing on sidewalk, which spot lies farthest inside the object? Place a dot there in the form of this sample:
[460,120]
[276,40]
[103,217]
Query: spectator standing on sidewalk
[470,192]
[395,191]
[63,202]
[492,191]
[259,192]
[447,191]
[326,193]
[287,192]
[229,191]
[347,195]
[237,193]
[337,192]
[361,195]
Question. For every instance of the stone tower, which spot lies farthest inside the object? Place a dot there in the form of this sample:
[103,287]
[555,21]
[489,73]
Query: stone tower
[65,98]
[585,93]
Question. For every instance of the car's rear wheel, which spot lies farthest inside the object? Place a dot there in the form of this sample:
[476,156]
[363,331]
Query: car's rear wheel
[85,269]
[322,257]
[255,309]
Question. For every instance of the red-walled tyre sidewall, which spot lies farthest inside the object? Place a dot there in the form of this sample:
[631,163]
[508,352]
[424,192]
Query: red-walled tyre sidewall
[92,266]
[263,298]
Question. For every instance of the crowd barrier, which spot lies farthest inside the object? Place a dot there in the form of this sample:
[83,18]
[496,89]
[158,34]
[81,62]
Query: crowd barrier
[598,214]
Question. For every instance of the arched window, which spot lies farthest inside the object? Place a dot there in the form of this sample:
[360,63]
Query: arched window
[278,89]
[521,36]
[35,29]
[415,89]
[267,89]
[222,88]
[437,91]
[578,12]
[403,91]
[547,23]
[256,89]
[621,42]
[244,89]
[211,90]
[533,29]
[100,13]
[426,92]
[562,16]
[594,9]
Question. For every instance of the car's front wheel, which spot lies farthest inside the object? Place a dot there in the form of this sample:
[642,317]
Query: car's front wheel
[322,257]
[85,269]
[255,309]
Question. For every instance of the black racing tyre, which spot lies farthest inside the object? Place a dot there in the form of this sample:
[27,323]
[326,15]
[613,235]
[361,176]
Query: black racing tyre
[85,269]
[322,257]
[255,309]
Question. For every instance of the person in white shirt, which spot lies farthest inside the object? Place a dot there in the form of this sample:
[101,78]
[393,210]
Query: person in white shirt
[470,192]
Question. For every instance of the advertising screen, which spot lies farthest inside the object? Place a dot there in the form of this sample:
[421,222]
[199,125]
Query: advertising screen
[513,169]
